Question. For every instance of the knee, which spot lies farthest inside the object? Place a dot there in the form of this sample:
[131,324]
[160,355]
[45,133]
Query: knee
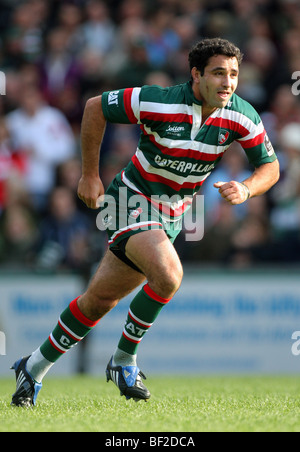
[94,306]
[166,281]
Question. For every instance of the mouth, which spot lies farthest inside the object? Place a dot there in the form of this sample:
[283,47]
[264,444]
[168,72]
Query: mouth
[224,95]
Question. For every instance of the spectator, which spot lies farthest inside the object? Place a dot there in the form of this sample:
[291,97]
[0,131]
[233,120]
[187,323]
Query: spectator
[123,146]
[215,247]
[251,242]
[24,36]
[262,53]
[12,165]
[70,19]
[64,241]
[18,237]
[132,30]
[163,41]
[97,31]
[284,108]
[68,175]
[59,69]
[251,87]
[46,139]
[137,67]
[159,78]
[132,9]
[285,216]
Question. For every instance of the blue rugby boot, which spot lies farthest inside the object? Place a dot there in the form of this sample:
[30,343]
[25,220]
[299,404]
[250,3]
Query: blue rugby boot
[27,388]
[129,380]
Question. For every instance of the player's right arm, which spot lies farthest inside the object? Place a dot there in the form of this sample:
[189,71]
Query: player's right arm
[90,187]
[121,107]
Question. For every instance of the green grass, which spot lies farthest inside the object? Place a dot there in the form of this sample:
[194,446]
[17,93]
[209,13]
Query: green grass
[181,404]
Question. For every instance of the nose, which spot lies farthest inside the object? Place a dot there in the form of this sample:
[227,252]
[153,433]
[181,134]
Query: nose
[226,81]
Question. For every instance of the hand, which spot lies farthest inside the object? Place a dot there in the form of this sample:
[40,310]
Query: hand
[233,192]
[91,191]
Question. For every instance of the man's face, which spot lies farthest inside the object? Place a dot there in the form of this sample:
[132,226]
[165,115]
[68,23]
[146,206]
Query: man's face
[219,81]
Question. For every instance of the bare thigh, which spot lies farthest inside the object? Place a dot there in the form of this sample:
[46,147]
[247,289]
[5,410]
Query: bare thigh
[112,281]
[155,255]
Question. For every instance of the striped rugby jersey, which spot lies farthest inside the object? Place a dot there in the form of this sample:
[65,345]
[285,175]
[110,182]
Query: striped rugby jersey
[175,153]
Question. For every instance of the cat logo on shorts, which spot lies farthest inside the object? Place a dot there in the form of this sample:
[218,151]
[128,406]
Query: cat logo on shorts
[106,221]
[135,213]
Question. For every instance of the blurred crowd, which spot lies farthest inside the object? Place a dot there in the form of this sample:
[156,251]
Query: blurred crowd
[56,54]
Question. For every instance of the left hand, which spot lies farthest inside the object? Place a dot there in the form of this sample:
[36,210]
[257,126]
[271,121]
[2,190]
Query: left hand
[233,192]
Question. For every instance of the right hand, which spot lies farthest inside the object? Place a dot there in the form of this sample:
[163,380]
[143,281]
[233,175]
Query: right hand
[91,191]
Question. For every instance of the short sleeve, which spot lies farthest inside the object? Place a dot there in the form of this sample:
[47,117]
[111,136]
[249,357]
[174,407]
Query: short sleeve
[122,106]
[257,146]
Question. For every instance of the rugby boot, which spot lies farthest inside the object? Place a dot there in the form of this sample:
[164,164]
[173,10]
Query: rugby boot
[27,388]
[129,381]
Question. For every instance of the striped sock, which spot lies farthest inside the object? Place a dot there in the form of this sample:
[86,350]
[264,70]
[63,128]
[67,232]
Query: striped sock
[72,327]
[143,310]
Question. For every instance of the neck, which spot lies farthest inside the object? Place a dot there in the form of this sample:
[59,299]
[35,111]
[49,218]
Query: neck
[196,92]
[207,110]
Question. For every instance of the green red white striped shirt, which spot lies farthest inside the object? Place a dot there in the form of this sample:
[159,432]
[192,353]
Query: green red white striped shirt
[176,152]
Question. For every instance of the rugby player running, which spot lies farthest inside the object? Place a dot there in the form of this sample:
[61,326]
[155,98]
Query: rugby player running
[185,130]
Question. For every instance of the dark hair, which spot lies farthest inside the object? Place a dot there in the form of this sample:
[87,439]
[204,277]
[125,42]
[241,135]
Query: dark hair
[206,48]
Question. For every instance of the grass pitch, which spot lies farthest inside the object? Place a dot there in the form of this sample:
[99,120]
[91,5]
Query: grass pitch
[179,404]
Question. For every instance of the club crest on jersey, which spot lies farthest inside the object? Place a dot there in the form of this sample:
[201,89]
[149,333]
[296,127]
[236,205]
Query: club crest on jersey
[223,136]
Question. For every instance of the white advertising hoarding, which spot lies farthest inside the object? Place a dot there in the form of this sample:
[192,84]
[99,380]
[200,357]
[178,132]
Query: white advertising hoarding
[29,310]
[218,322]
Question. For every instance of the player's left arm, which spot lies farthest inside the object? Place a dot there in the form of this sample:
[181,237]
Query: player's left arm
[261,180]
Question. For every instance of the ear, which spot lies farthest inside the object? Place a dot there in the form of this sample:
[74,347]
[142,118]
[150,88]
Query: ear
[195,75]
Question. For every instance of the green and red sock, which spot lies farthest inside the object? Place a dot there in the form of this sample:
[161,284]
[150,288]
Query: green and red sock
[142,313]
[72,327]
